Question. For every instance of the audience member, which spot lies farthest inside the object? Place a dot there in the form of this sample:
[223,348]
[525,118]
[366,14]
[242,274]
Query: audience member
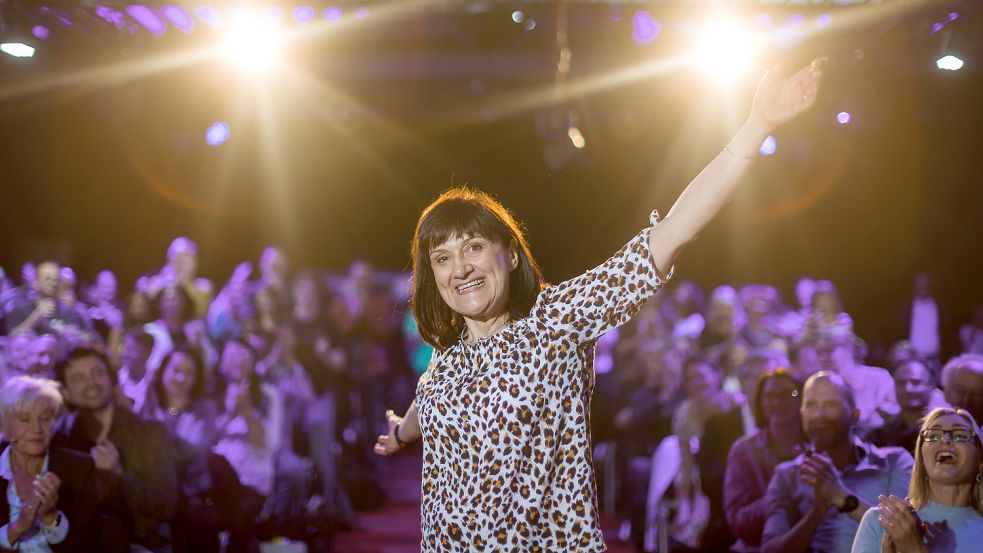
[816,500]
[913,388]
[962,383]
[752,459]
[133,455]
[944,507]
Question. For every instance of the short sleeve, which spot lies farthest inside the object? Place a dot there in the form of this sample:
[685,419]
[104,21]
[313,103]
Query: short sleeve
[869,534]
[609,295]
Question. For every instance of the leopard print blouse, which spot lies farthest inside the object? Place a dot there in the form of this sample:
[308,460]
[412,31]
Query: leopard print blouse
[505,421]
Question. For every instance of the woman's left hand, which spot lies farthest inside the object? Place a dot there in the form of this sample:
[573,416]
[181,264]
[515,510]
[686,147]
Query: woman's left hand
[46,488]
[778,99]
[901,522]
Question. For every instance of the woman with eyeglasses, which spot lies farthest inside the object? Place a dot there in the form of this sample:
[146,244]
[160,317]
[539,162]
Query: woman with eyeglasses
[945,509]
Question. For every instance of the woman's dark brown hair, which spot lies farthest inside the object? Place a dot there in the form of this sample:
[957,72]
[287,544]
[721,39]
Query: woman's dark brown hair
[465,212]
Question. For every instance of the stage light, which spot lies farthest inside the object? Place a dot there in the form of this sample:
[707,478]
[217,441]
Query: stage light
[41,32]
[576,137]
[303,14]
[17,49]
[209,17]
[823,20]
[518,16]
[179,18]
[949,63]
[333,13]
[645,28]
[146,17]
[843,117]
[724,48]
[217,133]
[251,43]
[769,146]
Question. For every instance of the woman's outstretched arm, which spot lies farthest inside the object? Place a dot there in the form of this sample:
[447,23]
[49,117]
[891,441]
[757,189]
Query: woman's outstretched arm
[409,431]
[776,101]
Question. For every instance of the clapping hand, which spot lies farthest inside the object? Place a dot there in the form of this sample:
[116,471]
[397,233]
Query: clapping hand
[106,457]
[901,523]
[819,472]
[46,488]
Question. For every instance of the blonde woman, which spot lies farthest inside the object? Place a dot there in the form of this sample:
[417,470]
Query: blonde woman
[945,509]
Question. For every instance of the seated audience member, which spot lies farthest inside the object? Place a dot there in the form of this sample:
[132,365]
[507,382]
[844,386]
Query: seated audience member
[177,327]
[139,310]
[699,522]
[816,500]
[944,509]
[753,459]
[182,270]
[133,376]
[962,383]
[971,335]
[42,312]
[250,423]
[135,456]
[47,496]
[872,387]
[104,309]
[825,318]
[913,388]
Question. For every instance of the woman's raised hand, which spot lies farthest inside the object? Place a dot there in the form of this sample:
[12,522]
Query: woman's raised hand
[779,99]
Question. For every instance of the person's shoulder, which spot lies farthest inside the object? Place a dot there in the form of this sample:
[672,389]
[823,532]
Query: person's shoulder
[892,455]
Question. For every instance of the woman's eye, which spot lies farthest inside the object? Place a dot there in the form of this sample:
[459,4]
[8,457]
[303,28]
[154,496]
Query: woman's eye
[442,259]
[475,247]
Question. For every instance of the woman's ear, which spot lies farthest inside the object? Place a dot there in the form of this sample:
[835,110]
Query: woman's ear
[513,256]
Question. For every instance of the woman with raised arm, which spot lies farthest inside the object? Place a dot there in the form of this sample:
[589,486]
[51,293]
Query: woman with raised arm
[503,407]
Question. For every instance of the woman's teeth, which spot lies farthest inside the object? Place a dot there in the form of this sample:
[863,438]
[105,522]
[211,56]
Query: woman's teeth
[474,283]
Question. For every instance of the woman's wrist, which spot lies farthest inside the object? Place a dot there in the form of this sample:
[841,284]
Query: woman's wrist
[748,139]
[399,442]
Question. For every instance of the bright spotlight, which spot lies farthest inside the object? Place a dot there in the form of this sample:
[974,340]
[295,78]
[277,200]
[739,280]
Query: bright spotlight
[17,49]
[949,63]
[843,117]
[576,137]
[252,43]
[217,134]
[724,48]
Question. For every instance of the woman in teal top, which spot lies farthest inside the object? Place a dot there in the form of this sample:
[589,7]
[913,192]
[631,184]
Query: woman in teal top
[945,509]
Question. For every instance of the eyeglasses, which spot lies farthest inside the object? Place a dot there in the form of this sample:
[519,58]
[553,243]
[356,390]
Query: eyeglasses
[959,435]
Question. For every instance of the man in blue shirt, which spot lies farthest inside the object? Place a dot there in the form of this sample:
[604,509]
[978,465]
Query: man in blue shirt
[815,501]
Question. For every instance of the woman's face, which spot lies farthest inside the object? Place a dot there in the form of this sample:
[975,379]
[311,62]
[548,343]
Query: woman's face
[179,376]
[701,379]
[948,462]
[171,304]
[139,307]
[780,401]
[472,276]
[29,431]
[824,304]
[237,362]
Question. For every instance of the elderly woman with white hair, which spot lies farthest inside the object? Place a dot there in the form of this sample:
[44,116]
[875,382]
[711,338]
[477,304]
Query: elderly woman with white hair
[28,409]
[944,510]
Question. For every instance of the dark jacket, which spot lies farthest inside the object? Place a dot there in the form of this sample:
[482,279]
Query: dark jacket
[77,498]
[146,495]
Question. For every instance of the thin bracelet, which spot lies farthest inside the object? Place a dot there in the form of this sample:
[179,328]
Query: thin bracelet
[399,442]
[731,152]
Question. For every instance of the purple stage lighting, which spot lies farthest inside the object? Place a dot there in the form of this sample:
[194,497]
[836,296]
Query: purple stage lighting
[303,14]
[179,18]
[823,20]
[208,16]
[843,117]
[936,27]
[763,20]
[146,17]
[41,32]
[769,146]
[953,16]
[333,13]
[217,134]
[646,28]
[275,14]
[113,17]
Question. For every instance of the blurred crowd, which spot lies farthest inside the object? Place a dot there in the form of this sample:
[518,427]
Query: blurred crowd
[230,415]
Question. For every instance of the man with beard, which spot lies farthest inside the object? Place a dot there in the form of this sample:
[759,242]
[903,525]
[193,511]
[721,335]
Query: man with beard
[815,501]
[139,482]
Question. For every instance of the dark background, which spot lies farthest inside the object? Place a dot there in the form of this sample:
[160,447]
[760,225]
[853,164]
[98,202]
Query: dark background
[103,162]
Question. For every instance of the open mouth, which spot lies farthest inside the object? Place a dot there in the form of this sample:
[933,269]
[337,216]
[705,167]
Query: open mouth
[945,458]
[471,285]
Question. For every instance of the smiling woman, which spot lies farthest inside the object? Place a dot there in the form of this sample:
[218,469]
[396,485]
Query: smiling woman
[503,408]
[945,507]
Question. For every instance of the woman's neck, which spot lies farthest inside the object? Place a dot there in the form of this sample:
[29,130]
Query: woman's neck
[956,495]
[30,465]
[178,403]
[478,330]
